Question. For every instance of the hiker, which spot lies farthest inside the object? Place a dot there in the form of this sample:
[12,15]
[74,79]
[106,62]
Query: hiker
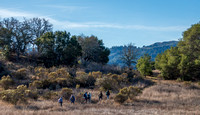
[89,97]
[60,100]
[85,96]
[107,94]
[72,99]
[100,96]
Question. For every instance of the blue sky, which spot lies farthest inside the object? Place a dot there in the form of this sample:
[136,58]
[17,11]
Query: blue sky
[116,22]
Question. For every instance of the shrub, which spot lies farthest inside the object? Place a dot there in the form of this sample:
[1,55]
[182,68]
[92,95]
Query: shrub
[97,74]
[41,72]
[6,82]
[65,82]
[36,84]
[50,95]
[77,86]
[66,93]
[179,79]
[52,75]
[21,73]
[133,92]
[62,73]
[120,98]
[127,93]
[15,96]
[31,94]
[106,83]
[84,79]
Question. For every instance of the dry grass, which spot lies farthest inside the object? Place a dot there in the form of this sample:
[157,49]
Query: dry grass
[164,98]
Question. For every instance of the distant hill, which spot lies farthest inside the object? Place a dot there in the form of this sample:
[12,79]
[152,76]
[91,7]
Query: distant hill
[153,50]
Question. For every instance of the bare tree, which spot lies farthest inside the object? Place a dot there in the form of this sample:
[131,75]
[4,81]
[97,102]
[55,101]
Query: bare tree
[129,55]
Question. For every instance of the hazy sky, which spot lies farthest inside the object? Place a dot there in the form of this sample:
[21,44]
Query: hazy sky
[117,22]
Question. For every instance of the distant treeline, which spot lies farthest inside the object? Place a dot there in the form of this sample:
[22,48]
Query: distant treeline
[152,50]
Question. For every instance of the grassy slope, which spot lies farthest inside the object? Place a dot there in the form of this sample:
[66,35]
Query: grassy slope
[165,97]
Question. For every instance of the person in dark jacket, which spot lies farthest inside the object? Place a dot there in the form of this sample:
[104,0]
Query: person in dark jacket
[60,100]
[107,94]
[72,99]
[85,96]
[89,97]
[100,96]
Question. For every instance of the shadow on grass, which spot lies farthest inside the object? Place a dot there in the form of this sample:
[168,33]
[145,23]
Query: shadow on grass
[142,82]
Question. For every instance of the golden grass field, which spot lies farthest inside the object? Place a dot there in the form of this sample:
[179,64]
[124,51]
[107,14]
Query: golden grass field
[163,98]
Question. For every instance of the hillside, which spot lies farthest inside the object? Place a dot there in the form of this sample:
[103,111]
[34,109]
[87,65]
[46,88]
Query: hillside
[153,50]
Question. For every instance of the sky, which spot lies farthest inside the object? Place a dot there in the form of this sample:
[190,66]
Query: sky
[116,22]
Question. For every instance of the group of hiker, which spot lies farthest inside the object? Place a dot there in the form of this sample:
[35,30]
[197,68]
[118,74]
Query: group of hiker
[87,96]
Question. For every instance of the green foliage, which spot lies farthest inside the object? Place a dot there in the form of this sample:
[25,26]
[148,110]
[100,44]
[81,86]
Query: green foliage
[93,50]
[21,73]
[144,65]
[182,61]
[106,83]
[168,63]
[41,72]
[66,93]
[127,93]
[6,82]
[19,95]
[84,79]
[36,84]
[31,94]
[65,82]
[58,48]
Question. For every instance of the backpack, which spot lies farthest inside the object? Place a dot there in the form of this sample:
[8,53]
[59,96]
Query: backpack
[60,100]
[84,95]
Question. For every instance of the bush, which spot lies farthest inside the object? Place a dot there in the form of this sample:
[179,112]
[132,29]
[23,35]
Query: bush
[133,92]
[15,96]
[120,98]
[127,93]
[41,72]
[62,73]
[36,84]
[31,94]
[106,83]
[66,93]
[50,95]
[52,75]
[77,86]
[97,74]
[21,73]
[43,84]
[179,79]
[84,79]
[65,82]
[6,82]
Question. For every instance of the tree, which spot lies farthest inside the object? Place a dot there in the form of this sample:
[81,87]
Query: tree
[144,65]
[168,63]
[93,50]
[38,28]
[129,55]
[47,49]
[71,52]
[58,48]
[189,47]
